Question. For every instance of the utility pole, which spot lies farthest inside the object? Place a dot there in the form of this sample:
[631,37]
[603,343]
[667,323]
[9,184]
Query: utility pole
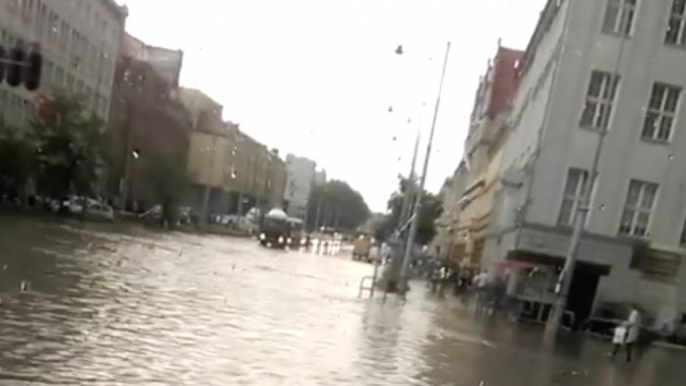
[420,192]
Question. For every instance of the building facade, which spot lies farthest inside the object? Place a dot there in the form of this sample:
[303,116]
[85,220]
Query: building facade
[601,75]
[300,178]
[240,172]
[482,154]
[166,62]
[80,42]
[147,126]
[446,241]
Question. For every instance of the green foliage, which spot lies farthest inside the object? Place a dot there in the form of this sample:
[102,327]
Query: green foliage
[338,205]
[430,210]
[16,158]
[69,144]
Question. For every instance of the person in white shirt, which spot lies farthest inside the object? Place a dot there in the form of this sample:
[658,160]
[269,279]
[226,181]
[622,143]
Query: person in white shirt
[631,328]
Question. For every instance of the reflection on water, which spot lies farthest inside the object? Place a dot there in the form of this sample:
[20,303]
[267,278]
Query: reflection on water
[146,308]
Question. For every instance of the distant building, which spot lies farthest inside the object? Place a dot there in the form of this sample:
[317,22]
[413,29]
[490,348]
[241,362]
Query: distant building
[80,42]
[446,238]
[240,172]
[206,113]
[166,62]
[320,178]
[301,176]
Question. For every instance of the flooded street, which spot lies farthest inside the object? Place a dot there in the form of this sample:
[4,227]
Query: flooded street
[144,308]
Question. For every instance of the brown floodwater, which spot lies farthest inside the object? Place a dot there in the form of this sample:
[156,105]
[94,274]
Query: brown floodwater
[106,305]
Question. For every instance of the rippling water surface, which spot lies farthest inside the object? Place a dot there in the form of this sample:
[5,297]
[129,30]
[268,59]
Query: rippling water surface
[145,308]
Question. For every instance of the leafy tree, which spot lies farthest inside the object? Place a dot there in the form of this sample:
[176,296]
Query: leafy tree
[69,147]
[431,209]
[16,160]
[336,204]
[168,180]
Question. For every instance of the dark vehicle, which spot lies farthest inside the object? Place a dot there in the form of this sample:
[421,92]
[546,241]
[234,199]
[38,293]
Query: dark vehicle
[295,236]
[277,230]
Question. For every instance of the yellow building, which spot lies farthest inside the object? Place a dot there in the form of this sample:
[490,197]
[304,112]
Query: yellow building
[483,152]
[239,171]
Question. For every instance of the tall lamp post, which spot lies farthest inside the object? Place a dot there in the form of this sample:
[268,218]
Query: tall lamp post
[409,188]
[419,195]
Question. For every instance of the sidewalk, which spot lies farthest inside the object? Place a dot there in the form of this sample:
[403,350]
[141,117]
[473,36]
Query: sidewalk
[499,352]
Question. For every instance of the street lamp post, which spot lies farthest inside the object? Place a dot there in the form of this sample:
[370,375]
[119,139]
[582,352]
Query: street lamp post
[419,195]
[409,189]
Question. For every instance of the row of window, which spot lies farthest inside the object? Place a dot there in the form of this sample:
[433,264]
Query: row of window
[49,28]
[660,115]
[638,206]
[620,16]
[36,10]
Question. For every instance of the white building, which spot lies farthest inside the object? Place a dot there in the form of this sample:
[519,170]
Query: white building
[594,66]
[300,178]
[80,42]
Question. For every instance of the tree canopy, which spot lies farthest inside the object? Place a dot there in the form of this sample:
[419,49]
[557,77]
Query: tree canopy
[430,210]
[336,204]
[62,150]
[69,145]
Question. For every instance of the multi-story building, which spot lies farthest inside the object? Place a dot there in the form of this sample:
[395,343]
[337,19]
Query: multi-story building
[80,42]
[301,174]
[166,62]
[600,79]
[148,125]
[261,175]
[240,172]
[206,113]
[446,243]
[482,155]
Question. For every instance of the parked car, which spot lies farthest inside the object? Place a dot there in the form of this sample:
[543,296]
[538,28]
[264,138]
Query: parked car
[100,211]
[95,210]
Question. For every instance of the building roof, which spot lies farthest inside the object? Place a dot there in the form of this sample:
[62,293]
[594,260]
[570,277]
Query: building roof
[542,26]
[120,11]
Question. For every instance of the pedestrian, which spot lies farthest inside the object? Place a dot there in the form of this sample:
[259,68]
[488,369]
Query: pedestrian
[480,283]
[627,333]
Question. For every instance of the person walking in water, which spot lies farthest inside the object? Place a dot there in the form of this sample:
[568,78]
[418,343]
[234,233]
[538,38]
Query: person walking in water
[627,333]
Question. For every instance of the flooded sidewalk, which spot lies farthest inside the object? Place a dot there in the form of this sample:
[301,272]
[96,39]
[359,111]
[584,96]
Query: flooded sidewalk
[145,308]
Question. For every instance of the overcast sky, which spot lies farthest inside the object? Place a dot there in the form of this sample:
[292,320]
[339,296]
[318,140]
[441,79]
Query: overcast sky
[317,77]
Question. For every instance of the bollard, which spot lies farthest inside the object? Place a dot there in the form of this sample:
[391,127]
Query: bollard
[376,271]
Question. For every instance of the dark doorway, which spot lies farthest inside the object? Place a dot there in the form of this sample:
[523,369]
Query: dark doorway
[582,293]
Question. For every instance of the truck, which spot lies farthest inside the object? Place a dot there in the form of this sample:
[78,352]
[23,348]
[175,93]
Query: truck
[277,230]
[361,248]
